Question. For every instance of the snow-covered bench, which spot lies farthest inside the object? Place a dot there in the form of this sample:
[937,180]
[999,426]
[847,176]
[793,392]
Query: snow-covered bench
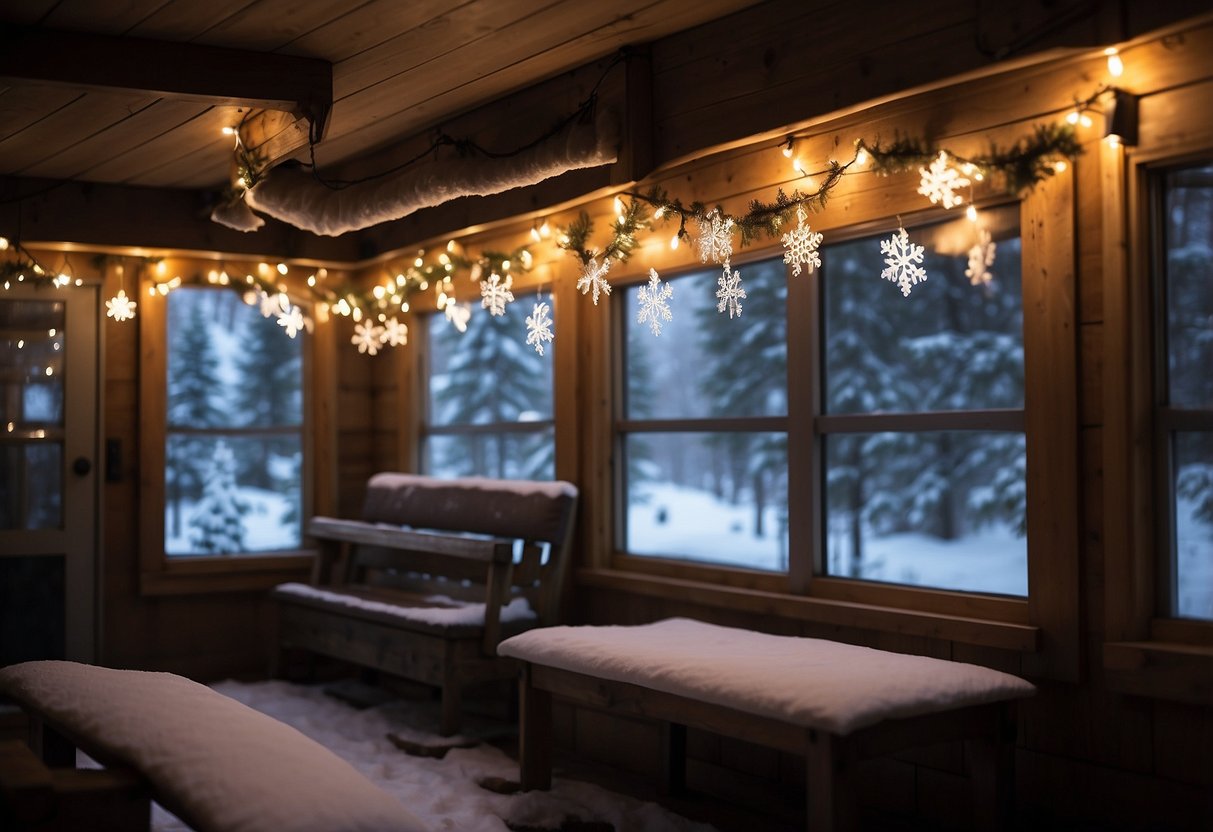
[218,765]
[432,577]
[835,703]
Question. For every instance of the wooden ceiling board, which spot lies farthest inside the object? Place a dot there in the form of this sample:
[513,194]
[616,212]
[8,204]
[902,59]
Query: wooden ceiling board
[269,25]
[24,105]
[111,17]
[115,139]
[68,126]
[184,20]
[423,97]
[29,12]
[367,26]
[170,144]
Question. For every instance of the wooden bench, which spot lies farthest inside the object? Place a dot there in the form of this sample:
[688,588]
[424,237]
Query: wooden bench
[214,763]
[834,703]
[432,577]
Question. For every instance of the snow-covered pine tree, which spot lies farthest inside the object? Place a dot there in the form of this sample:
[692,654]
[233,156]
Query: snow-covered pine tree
[216,524]
[492,376]
[270,391]
[748,356]
[192,385]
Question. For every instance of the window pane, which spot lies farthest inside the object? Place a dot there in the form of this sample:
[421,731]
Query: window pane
[31,485]
[704,364]
[950,345]
[1193,464]
[31,361]
[228,366]
[941,509]
[527,456]
[488,374]
[232,494]
[1189,286]
[718,497]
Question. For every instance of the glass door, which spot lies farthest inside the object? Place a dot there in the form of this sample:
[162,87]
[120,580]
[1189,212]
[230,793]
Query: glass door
[49,417]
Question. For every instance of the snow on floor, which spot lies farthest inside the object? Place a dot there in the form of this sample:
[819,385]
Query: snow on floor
[441,792]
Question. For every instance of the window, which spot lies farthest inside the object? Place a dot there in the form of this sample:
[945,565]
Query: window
[704,427]
[1184,388]
[922,413]
[234,441]
[489,408]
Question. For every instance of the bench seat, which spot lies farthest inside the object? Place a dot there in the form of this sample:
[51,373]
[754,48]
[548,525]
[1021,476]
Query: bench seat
[835,703]
[217,764]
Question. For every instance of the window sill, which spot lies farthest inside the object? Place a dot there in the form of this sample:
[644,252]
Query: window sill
[1161,670]
[1022,638]
[250,573]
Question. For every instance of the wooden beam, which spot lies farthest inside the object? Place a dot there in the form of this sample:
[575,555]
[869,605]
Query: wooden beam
[216,75]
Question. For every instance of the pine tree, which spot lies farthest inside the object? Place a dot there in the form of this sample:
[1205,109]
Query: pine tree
[491,376]
[192,386]
[270,390]
[216,524]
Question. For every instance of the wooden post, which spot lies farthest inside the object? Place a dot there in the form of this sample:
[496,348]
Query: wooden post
[674,754]
[534,735]
[991,759]
[830,804]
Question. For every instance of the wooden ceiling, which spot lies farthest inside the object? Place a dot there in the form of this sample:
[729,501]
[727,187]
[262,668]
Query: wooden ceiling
[397,68]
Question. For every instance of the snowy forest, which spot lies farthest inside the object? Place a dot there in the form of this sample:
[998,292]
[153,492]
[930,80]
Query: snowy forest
[233,455]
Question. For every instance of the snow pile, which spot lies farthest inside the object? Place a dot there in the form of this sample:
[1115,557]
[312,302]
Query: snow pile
[806,681]
[443,793]
[449,613]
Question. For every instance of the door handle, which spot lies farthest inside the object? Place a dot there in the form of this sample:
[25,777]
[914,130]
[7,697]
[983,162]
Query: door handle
[81,466]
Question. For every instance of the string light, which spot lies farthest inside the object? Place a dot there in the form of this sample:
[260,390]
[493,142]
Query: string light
[788,148]
[283,268]
[1116,66]
[971,212]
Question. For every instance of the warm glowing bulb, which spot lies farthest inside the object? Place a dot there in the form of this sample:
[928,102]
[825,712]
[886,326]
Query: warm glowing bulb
[798,166]
[1085,120]
[971,213]
[418,262]
[282,268]
[311,280]
[619,207]
[1116,67]
[1060,166]
[229,131]
[161,267]
[1113,140]
[378,292]
[979,176]
[861,158]
[443,258]
[212,276]
[545,229]
[50,371]
[659,212]
[505,265]
[3,243]
[674,242]
[534,233]
[450,245]
[151,291]
[787,149]
[1072,118]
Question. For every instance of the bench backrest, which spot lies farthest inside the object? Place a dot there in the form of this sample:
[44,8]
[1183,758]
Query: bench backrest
[539,514]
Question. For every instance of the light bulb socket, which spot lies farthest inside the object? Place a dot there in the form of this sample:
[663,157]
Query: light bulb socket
[1120,117]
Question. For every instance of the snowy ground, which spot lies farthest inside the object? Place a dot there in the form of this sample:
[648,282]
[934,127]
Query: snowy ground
[1194,540]
[680,522]
[441,792]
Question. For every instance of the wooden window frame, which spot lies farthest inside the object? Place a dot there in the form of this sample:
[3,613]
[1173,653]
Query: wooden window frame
[1147,651]
[164,575]
[1044,626]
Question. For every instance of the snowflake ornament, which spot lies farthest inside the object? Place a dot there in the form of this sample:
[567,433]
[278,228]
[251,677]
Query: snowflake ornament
[120,307]
[539,327]
[730,293]
[273,305]
[593,278]
[716,238]
[801,244]
[654,306]
[367,337]
[395,334]
[291,320]
[494,294]
[458,316]
[901,259]
[940,182]
[981,257]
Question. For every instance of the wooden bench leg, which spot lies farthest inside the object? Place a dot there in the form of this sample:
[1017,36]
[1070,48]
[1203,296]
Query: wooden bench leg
[831,805]
[51,747]
[534,735]
[452,708]
[991,759]
[674,764]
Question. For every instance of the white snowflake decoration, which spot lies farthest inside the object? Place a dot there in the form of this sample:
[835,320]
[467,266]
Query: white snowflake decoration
[274,305]
[539,327]
[120,307]
[458,316]
[801,244]
[901,259]
[291,320]
[367,337]
[716,238]
[981,257]
[495,294]
[593,278]
[654,306]
[941,181]
[730,293]
[395,334]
